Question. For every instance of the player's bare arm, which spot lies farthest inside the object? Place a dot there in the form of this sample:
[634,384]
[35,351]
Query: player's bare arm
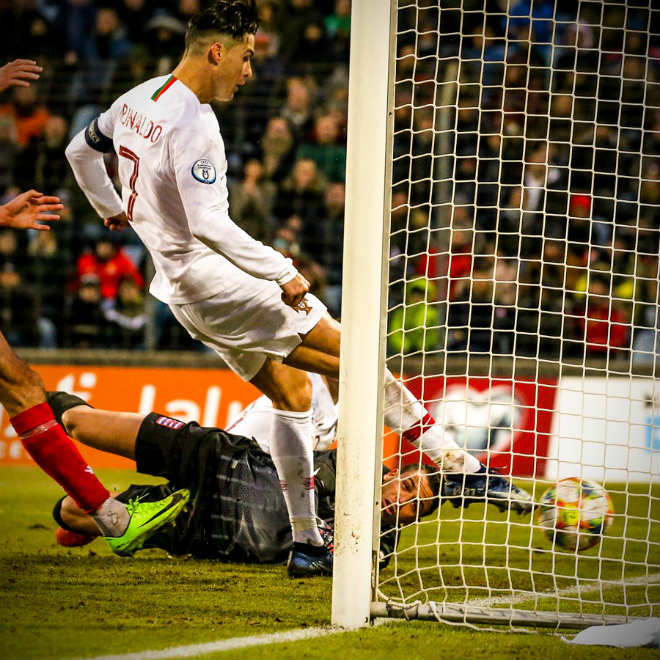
[19,73]
[30,210]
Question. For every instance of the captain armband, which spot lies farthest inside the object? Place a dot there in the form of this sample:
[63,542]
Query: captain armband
[96,140]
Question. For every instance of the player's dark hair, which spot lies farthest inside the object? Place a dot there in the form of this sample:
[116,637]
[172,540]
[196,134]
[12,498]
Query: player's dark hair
[232,17]
[434,478]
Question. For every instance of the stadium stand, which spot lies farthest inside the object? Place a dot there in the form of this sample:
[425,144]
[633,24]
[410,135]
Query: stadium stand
[286,133]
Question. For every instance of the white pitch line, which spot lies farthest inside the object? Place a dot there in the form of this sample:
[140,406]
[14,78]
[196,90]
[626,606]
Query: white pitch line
[193,650]
[566,591]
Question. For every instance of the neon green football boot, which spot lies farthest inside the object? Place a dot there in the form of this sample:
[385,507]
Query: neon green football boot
[146,519]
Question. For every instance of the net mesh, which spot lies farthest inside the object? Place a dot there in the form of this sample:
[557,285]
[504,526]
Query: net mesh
[523,296]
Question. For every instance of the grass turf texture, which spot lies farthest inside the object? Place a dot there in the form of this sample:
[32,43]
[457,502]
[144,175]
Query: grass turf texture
[57,602]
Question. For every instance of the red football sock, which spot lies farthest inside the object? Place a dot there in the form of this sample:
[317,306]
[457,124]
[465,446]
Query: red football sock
[70,539]
[418,429]
[54,452]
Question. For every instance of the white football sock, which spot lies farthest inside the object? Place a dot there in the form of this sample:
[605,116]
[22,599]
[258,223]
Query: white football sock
[403,411]
[112,517]
[441,448]
[291,451]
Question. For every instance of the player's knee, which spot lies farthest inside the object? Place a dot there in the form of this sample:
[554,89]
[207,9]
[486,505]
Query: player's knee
[20,389]
[33,381]
[297,396]
[32,387]
[69,424]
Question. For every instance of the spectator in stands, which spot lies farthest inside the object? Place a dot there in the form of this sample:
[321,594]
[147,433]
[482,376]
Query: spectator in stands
[269,25]
[603,325]
[47,271]
[543,302]
[287,241]
[106,49]
[325,150]
[163,37]
[78,19]
[481,314]
[338,28]
[110,265]
[126,316]
[297,108]
[470,310]
[579,213]
[277,149]
[298,14]
[28,112]
[287,237]
[646,340]
[251,201]
[42,162]
[601,263]
[537,177]
[134,16]
[263,89]
[505,297]
[130,72]
[650,185]
[309,54]
[9,249]
[301,193]
[19,316]
[530,161]
[109,40]
[414,327]
[185,9]
[456,265]
[86,323]
[323,241]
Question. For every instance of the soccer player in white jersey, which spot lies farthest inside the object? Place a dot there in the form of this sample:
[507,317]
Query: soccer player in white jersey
[241,298]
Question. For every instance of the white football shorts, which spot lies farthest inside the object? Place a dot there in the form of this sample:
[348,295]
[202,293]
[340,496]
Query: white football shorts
[245,331]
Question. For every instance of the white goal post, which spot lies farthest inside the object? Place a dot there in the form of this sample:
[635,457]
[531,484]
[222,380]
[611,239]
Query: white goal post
[362,346]
[500,255]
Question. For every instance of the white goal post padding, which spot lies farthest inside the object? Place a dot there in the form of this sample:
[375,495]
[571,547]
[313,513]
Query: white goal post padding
[520,302]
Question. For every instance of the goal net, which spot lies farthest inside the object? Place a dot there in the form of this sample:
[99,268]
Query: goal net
[519,304]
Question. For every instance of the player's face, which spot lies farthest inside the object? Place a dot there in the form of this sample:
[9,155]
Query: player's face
[405,497]
[236,68]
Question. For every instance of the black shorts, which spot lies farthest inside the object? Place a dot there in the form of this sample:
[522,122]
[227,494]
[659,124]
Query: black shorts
[170,448]
[185,454]
[193,457]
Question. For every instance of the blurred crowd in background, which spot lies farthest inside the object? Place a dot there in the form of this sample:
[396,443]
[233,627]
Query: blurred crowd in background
[526,170]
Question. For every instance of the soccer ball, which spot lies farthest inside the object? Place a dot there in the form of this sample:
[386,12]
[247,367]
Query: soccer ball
[575,513]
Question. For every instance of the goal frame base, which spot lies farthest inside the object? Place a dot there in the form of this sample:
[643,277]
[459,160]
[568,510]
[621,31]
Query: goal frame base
[460,613]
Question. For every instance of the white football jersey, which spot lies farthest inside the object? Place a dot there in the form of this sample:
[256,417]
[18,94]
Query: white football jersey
[173,172]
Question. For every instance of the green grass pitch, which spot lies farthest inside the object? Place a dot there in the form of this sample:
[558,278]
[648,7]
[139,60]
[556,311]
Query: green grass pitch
[59,603]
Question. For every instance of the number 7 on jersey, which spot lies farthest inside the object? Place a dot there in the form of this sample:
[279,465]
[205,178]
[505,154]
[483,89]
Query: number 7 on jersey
[132,156]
